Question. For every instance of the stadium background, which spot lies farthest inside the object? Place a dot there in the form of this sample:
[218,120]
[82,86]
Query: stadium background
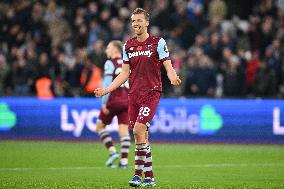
[219,48]
[229,55]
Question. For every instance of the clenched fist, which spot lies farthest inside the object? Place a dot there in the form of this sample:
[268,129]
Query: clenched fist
[100,92]
[176,82]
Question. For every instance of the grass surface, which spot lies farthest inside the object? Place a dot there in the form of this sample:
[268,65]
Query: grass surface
[81,165]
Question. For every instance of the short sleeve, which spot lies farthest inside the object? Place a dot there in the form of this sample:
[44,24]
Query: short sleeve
[124,54]
[108,68]
[163,50]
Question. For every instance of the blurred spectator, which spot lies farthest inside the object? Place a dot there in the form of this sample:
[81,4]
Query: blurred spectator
[81,39]
[243,56]
[281,86]
[242,41]
[251,69]
[4,70]
[124,14]
[190,67]
[200,42]
[44,88]
[254,32]
[227,42]
[44,68]
[217,8]
[117,28]
[214,48]
[234,78]
[162,14]
[201,80]
[266,34]
[73,75]
[91,77]
[271,59]
[105,17]
[58,29]
[60,68]
[265,81]
[92,12]
[97,54]
[96,32]
[213,27]
[21,77]
[195,13]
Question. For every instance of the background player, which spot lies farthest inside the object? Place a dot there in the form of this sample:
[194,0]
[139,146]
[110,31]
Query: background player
[114,104]
[143,56]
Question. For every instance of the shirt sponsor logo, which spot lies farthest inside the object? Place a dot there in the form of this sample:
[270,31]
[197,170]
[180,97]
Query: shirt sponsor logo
[147,53]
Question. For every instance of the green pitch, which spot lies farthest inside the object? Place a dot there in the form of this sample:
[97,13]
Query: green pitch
[51,165]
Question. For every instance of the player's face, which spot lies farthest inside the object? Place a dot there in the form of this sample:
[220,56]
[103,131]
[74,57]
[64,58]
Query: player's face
[109,50]
[139,24]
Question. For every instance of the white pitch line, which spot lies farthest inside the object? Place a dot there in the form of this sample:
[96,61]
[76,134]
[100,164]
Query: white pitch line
[48,168]
[226,165]
[167,166]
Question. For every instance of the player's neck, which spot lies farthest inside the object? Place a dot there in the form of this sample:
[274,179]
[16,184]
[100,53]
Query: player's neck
[142,37]
[116,56]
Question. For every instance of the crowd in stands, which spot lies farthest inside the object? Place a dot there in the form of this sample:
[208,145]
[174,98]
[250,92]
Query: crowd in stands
[52,48]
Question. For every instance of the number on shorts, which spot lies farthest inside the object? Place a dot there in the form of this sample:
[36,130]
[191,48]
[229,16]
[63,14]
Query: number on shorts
[145,111]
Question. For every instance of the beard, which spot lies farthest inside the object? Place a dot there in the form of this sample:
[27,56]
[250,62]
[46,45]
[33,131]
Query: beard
[138,30]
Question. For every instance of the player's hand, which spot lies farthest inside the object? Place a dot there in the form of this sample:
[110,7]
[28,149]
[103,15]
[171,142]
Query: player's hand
[176,82]
[105,110]
[99,92]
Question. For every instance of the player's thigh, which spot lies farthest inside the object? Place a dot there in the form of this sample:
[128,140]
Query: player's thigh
[123,122]
[122,116]
[133,110]
[105,118]
[123,130]
[148,108]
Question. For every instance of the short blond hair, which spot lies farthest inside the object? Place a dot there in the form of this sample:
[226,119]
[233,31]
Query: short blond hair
[142,11]
[117,44]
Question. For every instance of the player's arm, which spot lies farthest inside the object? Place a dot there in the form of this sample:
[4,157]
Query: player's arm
[171,73]
[108,76]
[164,56]
[117,82]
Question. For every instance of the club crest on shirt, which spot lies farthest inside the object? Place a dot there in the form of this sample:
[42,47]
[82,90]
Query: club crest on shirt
[139,48]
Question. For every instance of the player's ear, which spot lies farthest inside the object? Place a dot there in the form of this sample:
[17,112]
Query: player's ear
[147,23]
